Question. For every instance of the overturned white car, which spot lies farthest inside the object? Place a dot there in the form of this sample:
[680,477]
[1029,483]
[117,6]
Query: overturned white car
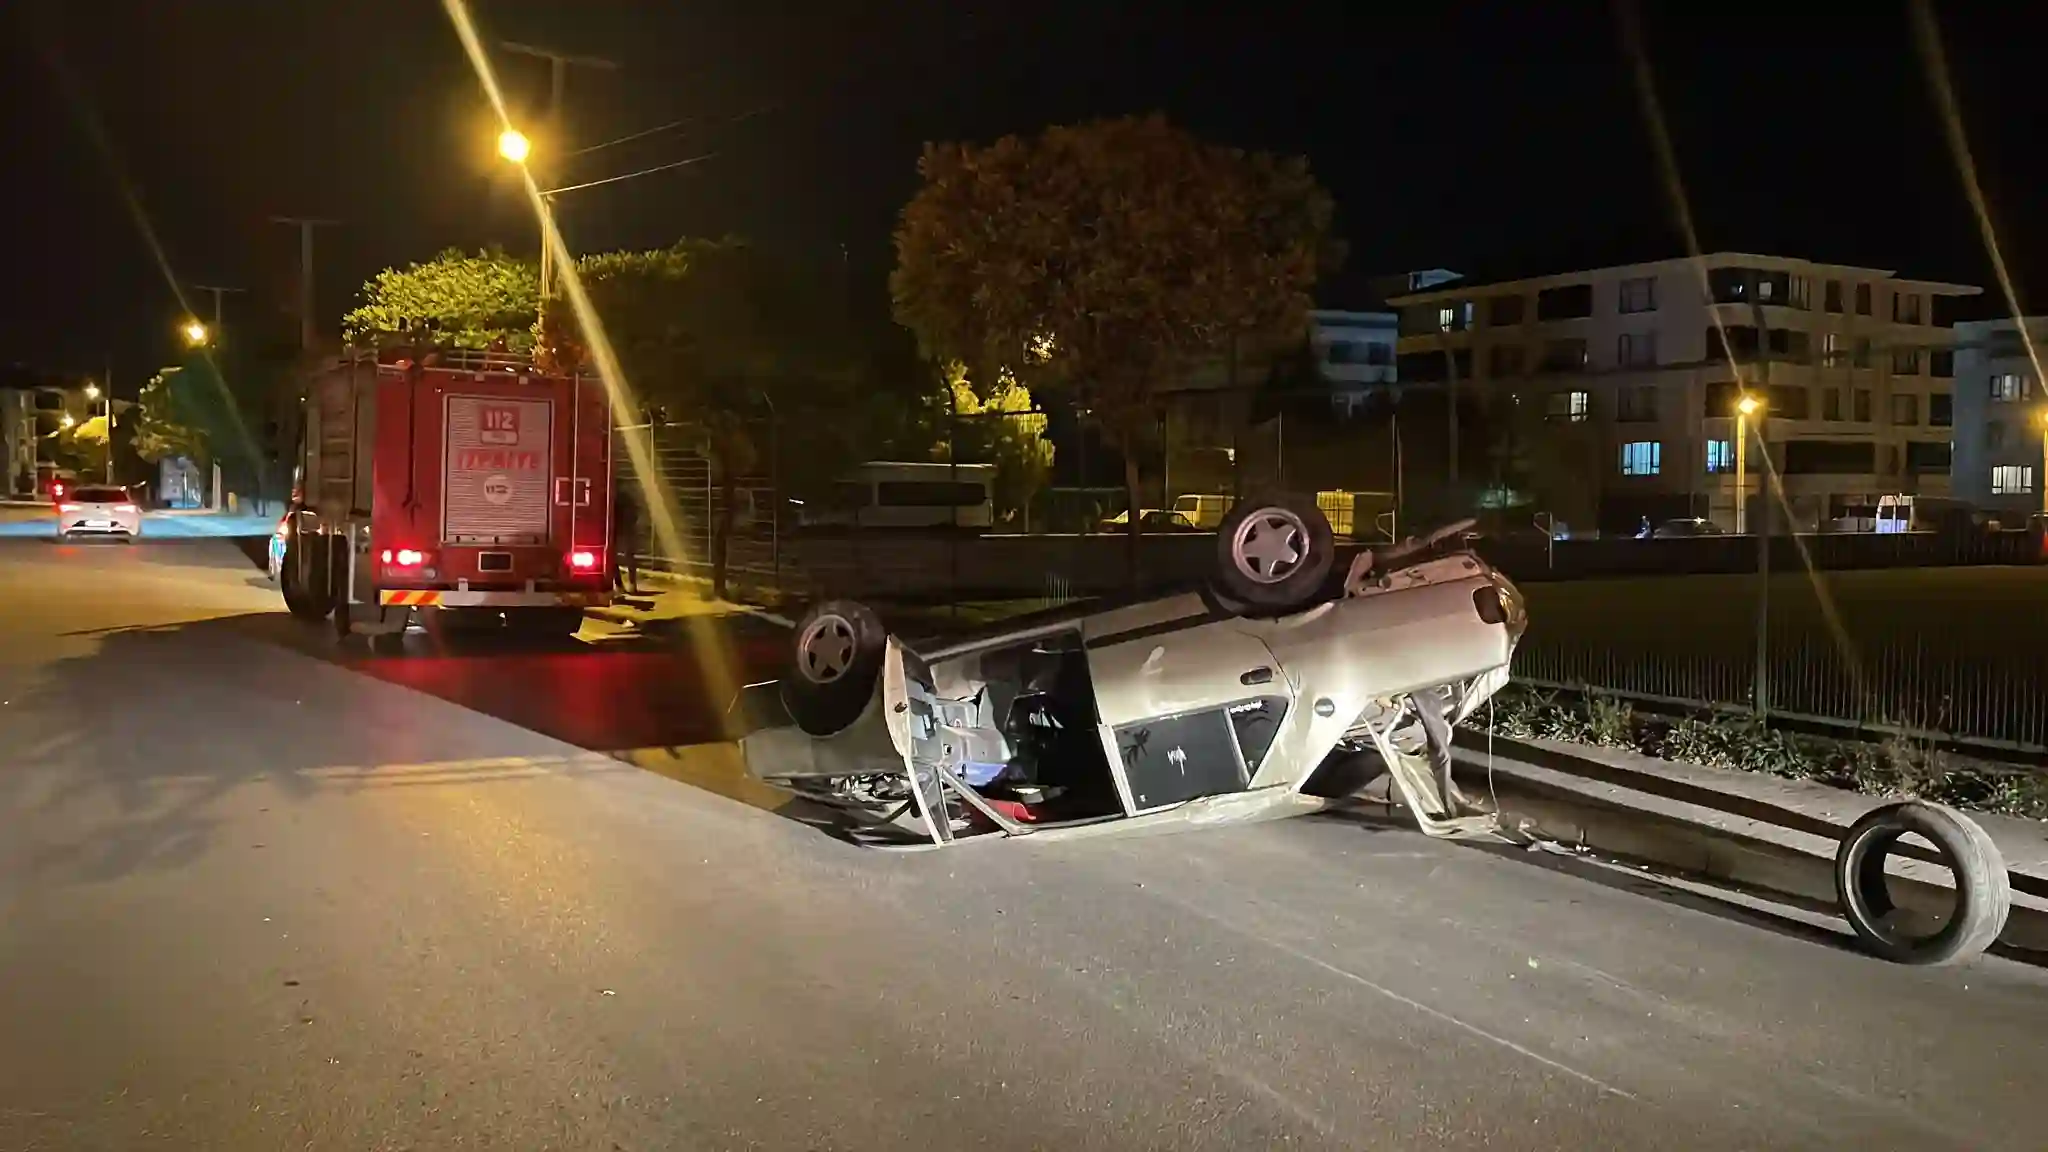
[1216,704]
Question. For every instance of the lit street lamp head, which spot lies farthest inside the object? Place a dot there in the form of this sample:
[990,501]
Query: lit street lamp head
[68,420]
[195,333]
[514,146]
[92,391]
[1748,405]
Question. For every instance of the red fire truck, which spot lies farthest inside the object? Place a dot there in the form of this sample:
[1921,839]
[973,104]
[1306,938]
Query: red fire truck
[461,489]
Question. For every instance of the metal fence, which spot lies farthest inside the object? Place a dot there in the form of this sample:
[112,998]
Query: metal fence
[681,455]
[1918,686]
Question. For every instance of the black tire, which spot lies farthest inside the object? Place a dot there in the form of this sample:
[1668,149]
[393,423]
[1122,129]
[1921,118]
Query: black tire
[1274,552]
[544,623]
[338,588]
[836,655]
[301,576]
[1983,890]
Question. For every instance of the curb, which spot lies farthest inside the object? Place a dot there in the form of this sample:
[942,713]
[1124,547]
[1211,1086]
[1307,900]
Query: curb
[1796,866]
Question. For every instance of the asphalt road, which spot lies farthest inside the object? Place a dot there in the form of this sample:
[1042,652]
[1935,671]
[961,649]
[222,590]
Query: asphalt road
[257,894]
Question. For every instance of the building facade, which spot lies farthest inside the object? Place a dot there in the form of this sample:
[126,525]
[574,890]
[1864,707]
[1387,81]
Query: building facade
[33,408]
[1356,353]
[1642,367]
[2001,416]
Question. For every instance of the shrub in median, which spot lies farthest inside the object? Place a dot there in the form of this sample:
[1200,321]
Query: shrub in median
[1896,767]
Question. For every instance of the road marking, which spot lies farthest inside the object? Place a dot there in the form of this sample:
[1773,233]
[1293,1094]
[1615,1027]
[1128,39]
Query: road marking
[1447,1018]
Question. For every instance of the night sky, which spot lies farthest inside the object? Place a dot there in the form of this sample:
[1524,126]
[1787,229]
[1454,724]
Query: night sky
[1489,137]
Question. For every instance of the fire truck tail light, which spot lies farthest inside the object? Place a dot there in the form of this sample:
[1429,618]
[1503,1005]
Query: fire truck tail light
[404,557]
[583,560]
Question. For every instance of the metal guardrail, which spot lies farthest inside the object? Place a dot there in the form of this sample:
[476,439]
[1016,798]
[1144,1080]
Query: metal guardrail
[1988,700]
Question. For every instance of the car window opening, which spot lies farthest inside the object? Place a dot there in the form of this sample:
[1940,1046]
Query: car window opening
[1041,755]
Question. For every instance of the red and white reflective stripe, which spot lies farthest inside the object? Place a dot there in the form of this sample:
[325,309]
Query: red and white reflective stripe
[435,598]
[408,597]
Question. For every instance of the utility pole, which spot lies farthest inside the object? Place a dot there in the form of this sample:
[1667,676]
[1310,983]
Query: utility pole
[559,64]
[305,225]
[1766,499]
[218,292]
[107,385]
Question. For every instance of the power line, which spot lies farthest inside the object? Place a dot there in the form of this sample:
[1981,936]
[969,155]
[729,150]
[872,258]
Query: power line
[629,175]
[831,83]
[658,129]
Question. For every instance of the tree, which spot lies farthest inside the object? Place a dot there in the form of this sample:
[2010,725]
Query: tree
[713,332]
[998,425]
[469,301]
[1102,262]
[165,424]
[83,447]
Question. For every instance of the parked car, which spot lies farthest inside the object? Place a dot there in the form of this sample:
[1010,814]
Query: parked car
[278,538]
[1203,510]
[1686,526]
[1149,520]
[98,510]
[1223,700]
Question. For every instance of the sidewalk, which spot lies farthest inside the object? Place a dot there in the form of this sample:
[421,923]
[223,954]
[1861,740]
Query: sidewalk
[1744,829]
[668,597]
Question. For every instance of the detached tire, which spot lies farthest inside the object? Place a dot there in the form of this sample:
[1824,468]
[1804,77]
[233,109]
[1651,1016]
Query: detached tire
[836,660]
[1983,892]
[1274,552]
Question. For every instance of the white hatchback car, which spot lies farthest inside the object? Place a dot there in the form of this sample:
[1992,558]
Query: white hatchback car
[1217,703]
[98,510]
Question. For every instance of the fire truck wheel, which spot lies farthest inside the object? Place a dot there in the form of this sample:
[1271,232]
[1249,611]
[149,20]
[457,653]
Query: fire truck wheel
[302,577]
[340,615]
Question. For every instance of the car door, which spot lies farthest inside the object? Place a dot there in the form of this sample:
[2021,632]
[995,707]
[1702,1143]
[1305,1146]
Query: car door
[910,703]
[1192,709]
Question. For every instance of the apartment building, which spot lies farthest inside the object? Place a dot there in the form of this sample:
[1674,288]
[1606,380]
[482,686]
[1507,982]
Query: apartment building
[1643,364]
[2001,416]
[1355,351]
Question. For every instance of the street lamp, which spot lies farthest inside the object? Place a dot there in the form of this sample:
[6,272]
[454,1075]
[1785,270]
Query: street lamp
[514,146]
[1744,408]
[196,334]
[67,420]
[92,391]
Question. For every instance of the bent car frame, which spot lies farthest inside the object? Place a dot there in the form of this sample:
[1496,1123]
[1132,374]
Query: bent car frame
[1242,699]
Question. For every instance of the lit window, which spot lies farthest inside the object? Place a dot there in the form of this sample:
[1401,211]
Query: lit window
[2008,386]
[2012,480]
[1642,458]
[1720,456]
[1573,407]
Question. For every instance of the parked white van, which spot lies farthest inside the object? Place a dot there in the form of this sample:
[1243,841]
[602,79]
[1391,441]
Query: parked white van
[908,494]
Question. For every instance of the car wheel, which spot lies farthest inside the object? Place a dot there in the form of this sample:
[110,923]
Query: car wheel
[1274,552]
[835,661]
